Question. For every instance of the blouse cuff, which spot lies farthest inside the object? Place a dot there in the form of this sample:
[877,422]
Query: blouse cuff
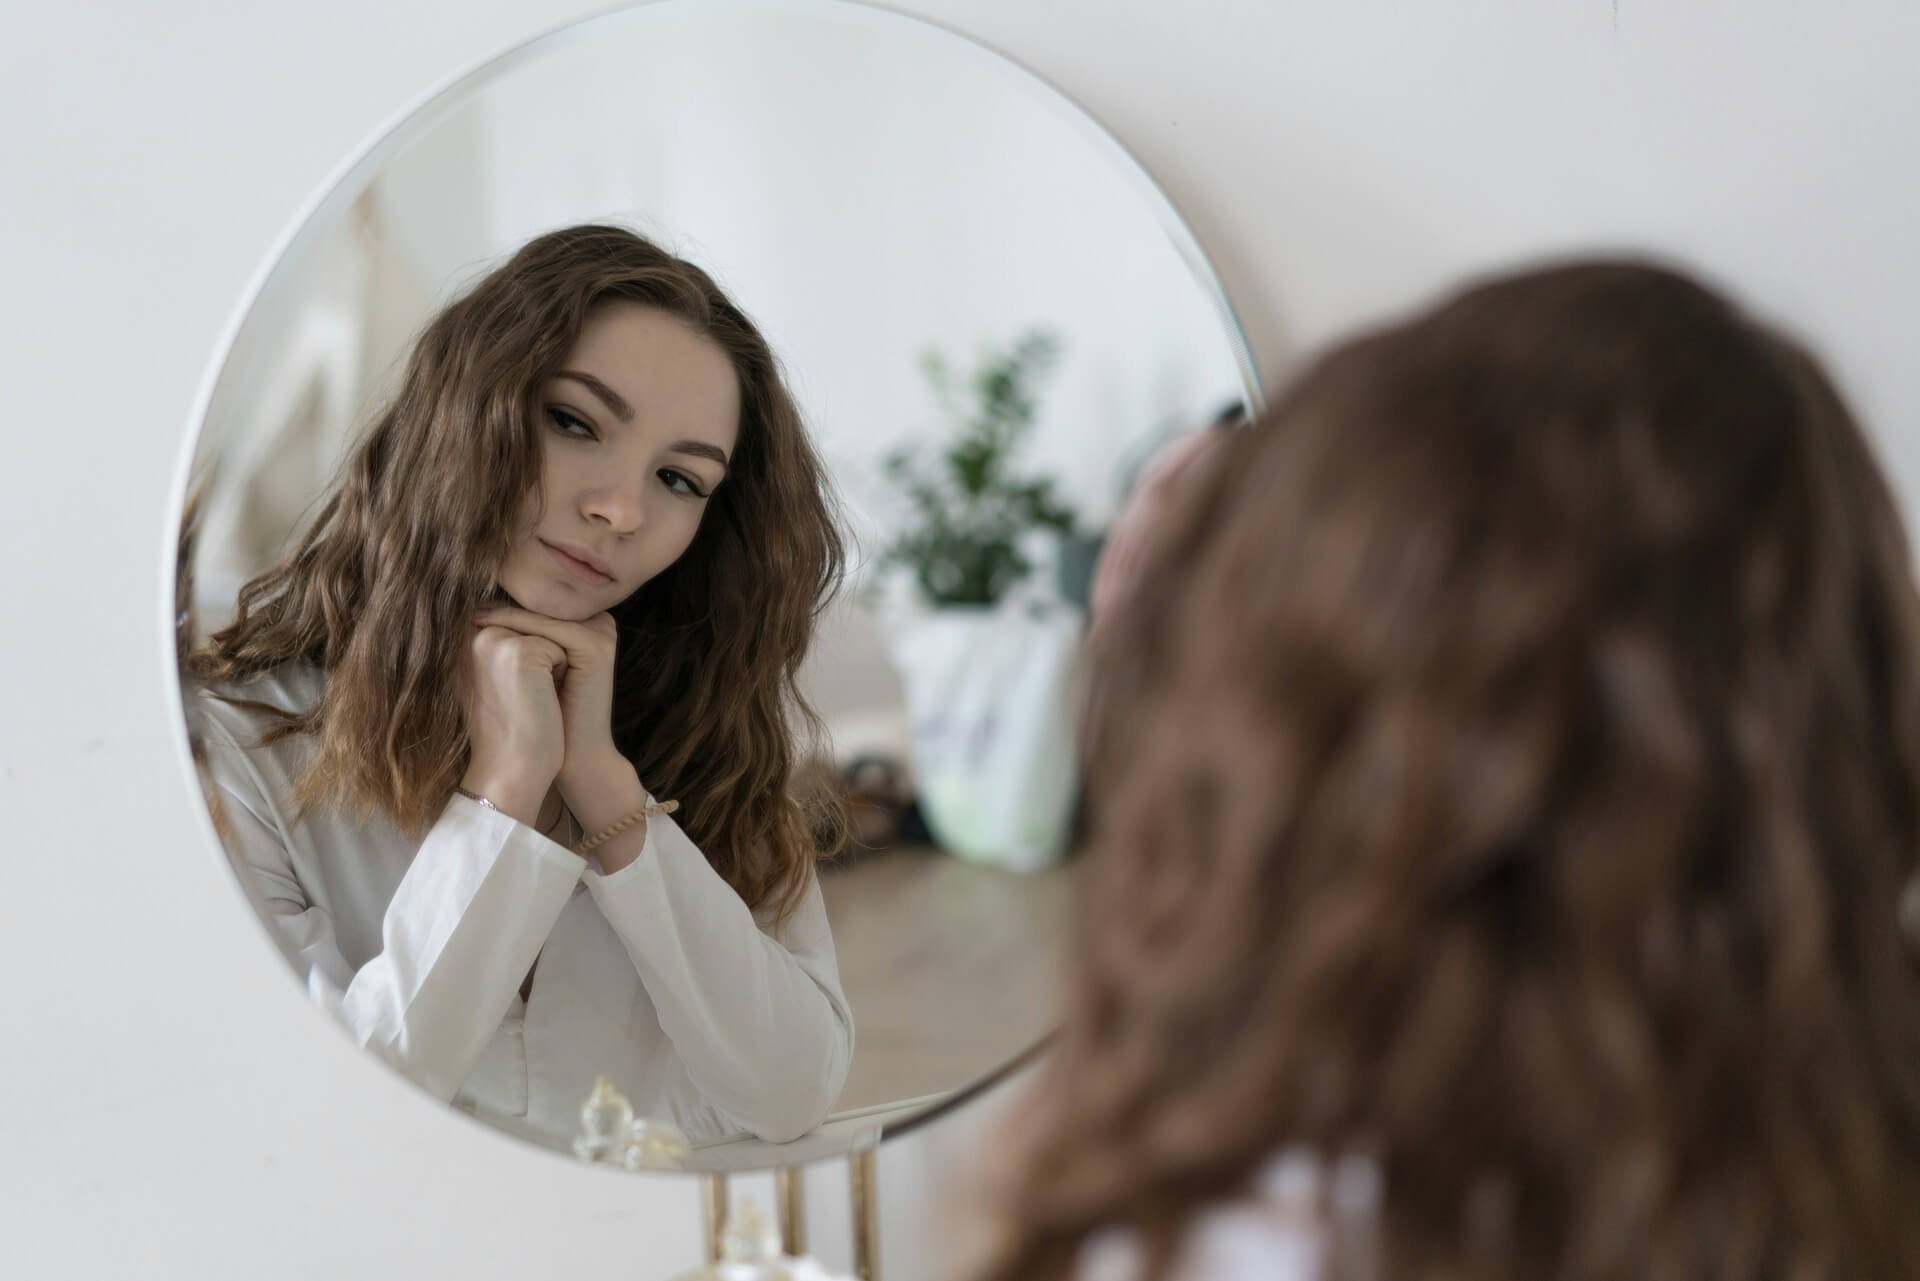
[615,882]
[507,830]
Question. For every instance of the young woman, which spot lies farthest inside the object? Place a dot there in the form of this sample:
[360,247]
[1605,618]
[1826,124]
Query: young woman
[506,740]
[1506,789]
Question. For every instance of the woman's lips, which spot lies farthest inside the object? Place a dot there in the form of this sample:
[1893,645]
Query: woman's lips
[576,564]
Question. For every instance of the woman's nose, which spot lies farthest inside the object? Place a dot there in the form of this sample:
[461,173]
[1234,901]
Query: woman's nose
[617,507]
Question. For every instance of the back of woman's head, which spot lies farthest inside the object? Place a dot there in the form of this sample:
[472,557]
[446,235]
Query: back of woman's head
[1506,769]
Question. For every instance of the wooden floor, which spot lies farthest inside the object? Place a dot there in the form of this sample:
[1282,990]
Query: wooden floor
[952,968]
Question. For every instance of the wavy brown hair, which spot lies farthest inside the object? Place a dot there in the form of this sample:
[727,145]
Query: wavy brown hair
[1506,770]
[380,590]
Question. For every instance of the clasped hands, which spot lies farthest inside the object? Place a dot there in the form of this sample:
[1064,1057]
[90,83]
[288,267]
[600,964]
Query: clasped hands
[540,717]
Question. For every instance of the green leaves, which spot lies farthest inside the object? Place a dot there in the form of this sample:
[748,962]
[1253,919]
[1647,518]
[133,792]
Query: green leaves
[970,510]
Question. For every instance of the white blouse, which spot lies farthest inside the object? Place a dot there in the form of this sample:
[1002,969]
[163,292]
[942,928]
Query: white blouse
[657,976]
[1280,1229]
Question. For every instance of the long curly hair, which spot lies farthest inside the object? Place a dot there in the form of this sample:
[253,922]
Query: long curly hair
[1505,772]
[380,589]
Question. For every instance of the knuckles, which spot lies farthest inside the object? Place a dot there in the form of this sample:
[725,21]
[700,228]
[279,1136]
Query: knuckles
[499,647]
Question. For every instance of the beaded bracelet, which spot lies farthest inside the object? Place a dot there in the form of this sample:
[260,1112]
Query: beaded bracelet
[638,816]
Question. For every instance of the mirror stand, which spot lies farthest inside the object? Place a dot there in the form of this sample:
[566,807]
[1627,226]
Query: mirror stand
[863,1194]
[790,1204]
[713,1213]
[790,1208]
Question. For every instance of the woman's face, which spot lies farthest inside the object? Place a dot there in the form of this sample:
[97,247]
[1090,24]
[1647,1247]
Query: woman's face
[637,430]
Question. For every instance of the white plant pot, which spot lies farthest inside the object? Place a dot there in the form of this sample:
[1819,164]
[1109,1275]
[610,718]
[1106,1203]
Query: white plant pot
[989,694]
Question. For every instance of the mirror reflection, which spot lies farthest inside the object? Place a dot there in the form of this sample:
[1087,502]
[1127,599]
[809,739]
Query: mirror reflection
[643,533]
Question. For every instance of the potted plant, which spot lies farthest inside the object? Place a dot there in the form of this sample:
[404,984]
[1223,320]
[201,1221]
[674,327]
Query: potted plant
[971,511]
[986,669]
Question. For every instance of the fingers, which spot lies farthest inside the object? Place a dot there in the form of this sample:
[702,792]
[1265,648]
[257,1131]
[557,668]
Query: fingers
[589,636]
[556,656]
[548,652]
[526,622]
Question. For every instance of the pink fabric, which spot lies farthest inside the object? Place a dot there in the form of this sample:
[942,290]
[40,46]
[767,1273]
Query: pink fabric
[1131,535]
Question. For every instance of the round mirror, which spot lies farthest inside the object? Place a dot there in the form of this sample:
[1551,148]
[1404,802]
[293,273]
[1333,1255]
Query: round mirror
[618,337]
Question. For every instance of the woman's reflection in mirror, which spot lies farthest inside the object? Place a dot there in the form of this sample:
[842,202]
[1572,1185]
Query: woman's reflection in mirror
[1505,790]
[563,582]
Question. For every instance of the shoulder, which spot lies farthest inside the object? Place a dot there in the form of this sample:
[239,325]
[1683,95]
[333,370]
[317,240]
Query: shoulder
[1275,1232]
[243,709]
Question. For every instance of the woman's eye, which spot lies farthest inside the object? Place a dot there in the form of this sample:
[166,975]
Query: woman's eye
[681,483]
[571,424]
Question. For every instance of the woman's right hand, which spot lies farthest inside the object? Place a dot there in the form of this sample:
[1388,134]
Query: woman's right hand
[515,734]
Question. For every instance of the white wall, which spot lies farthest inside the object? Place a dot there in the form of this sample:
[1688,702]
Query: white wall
[173,1110]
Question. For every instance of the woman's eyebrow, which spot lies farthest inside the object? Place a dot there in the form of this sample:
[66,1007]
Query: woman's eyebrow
[612,399]
[700,449]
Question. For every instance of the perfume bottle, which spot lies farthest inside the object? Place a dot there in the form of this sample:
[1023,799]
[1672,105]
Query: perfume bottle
[610,1134]
[750,1251]
[606,1121]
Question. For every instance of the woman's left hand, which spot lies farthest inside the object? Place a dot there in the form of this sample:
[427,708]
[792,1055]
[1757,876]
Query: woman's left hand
[586,690]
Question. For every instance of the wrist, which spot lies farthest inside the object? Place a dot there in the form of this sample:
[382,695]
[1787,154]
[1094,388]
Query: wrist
[602,791]
[518,797]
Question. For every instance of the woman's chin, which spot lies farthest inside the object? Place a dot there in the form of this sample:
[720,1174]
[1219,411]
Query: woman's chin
[553,602]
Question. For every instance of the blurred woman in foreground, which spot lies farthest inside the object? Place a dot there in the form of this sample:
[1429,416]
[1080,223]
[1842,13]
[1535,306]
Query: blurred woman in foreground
[1505,777]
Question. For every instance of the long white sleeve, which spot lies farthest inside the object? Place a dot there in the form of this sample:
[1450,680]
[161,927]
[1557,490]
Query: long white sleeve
[469,916]
[658,976]
[757,1015]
